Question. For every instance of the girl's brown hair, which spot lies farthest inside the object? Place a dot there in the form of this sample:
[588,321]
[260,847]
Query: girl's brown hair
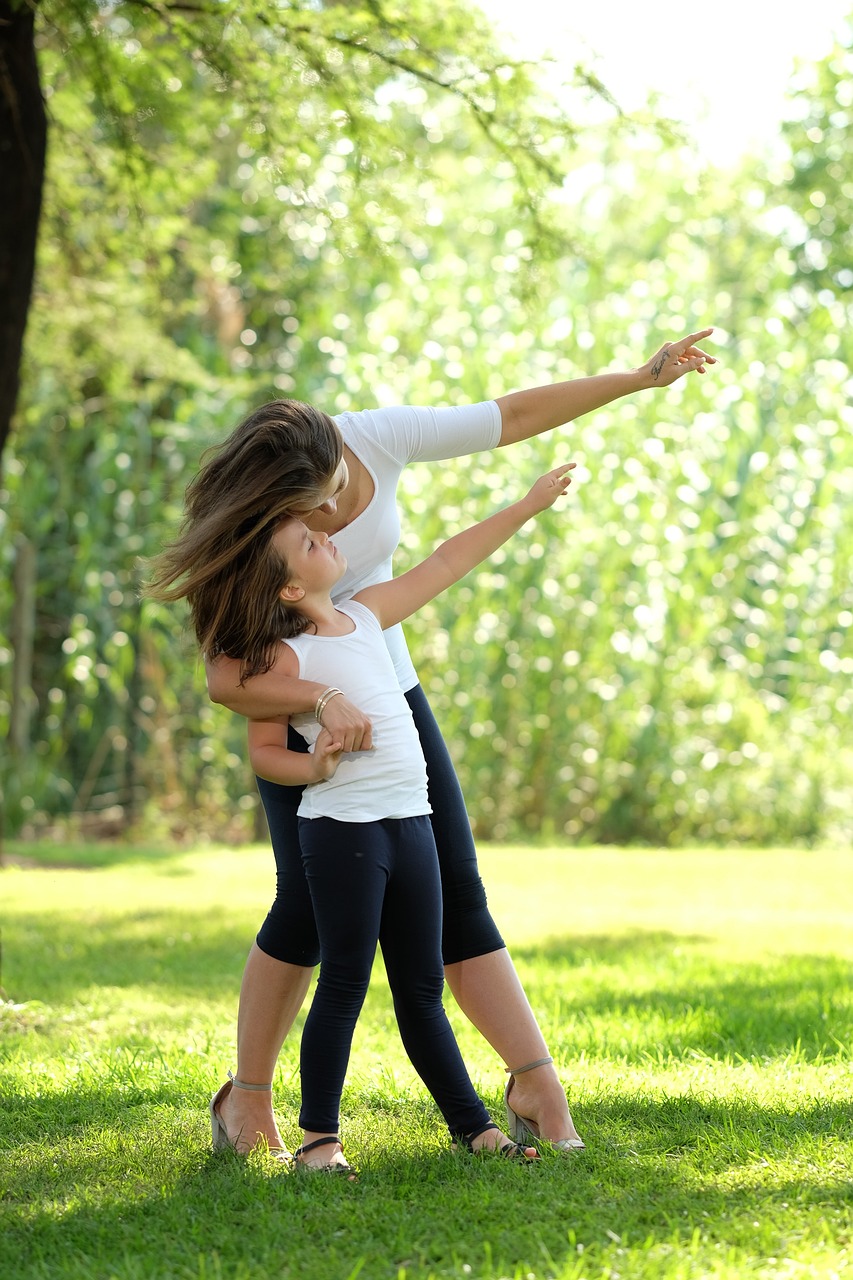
[279,461]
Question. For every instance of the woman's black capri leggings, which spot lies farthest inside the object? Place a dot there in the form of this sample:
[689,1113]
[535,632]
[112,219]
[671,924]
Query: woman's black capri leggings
[289,932]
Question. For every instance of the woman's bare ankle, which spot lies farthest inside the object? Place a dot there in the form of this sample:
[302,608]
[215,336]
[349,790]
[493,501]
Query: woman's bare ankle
[539,1096]
[249,1120]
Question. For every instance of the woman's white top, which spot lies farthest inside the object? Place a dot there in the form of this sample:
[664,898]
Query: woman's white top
[391,780]
[385,441]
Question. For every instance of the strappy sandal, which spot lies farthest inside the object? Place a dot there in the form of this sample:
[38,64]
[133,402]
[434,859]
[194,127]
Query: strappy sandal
[332,1140]
[524,1130]
[219,1134]
[510,1150]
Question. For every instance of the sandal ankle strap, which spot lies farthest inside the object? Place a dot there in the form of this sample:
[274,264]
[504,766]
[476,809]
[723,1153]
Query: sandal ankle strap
[252,1088]
[320,1142]
[528,1066]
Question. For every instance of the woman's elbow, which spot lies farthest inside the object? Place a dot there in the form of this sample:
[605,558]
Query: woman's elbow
[223,682]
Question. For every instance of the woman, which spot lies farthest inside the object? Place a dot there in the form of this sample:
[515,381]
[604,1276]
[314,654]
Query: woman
[357,505]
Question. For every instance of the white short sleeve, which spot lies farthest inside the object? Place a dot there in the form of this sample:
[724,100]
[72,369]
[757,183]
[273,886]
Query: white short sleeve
[414,434]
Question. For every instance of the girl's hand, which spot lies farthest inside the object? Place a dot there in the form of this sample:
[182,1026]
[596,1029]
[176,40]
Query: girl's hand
[327,756]
[675,359]
[550,487]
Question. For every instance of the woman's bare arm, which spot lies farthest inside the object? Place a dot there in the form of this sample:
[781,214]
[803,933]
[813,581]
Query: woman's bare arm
[529,413]
[275,693]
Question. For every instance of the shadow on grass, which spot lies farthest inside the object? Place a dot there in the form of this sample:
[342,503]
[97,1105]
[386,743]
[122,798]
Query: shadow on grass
[665,1175]
[57,959]
[790,1004]
[60,854]
[623,948]
[618,1123]
[691,1003]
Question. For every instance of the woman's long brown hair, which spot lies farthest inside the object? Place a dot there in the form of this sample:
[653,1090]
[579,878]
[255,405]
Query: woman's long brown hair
[278,462]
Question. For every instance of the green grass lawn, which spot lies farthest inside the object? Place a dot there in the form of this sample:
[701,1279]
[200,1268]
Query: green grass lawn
[698,1002]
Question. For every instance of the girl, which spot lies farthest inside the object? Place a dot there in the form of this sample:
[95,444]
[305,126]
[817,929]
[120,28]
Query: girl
[367,844]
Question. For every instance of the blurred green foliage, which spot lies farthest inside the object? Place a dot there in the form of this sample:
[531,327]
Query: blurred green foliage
[667,656]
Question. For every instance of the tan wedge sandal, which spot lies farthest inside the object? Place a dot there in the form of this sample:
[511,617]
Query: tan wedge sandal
[524,1130]
[219,1134]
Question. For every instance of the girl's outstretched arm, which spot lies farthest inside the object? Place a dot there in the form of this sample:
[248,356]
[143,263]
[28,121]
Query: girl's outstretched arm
[401,597]
[529,413]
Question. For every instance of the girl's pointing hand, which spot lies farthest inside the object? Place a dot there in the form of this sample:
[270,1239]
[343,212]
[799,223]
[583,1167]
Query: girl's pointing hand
[550,487]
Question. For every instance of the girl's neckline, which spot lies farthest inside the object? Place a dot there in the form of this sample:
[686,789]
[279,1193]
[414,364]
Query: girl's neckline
[353,502]
[337,635]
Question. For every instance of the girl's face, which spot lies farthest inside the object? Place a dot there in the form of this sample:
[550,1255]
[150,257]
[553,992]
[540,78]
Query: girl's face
[314,562]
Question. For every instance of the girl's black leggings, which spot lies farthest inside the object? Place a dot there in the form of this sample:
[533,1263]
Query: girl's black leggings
[289,932]
[374,881]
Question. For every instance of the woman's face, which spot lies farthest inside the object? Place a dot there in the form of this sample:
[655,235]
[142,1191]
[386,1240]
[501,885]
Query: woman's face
[335,488]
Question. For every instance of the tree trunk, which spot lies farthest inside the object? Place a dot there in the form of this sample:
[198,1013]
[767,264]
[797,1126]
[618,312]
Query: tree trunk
[22,634]
[23,142]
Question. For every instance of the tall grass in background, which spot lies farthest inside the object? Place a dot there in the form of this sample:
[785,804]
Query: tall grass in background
[665,659]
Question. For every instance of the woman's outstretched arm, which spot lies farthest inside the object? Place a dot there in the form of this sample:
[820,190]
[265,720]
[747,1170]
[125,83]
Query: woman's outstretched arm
[529,413]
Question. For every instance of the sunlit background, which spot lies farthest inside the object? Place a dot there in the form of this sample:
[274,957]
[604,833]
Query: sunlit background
[724,71]
[666,658]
